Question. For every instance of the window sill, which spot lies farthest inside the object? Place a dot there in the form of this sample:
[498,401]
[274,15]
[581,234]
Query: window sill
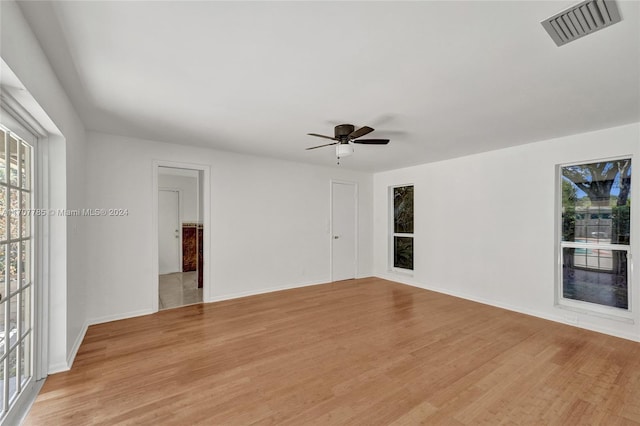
[404,272]
[625,317]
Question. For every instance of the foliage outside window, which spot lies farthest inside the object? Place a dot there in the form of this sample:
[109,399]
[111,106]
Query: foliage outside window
[595,240]
[402,227]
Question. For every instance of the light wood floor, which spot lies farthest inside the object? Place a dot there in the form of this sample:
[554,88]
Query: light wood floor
[354,352]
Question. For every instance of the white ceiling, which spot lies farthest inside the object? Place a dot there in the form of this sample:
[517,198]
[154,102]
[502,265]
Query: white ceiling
[440,79]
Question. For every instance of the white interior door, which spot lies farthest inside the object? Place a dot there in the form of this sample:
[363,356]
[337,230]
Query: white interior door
[344,231]
[168,231]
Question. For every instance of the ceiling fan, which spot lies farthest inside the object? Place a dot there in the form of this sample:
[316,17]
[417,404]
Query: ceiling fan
[345,135]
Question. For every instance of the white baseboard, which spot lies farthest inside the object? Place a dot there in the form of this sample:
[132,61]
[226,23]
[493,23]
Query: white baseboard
[76,345]
[66,365]
[401,278]
[58,367]
[126,315]
[71,356]
[407,280]
[544,315]
[121,316]
[261,291]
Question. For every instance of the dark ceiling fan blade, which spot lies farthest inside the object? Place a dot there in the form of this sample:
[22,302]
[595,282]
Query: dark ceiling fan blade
[364,130]
[372,141]
[322,136]
[320,146]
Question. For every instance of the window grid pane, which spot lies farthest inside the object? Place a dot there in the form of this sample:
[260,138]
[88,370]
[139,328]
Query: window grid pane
[12,325]
[596,202]
[403,252]
[3,273]
[3,211]
[14,215]
[403,210]
[3,156]
[3,331]
[25,263]
[3,380]
[25,359]
[13,268]
[25,311]
[13,161]
[25,219]
[25,166]
[12,374]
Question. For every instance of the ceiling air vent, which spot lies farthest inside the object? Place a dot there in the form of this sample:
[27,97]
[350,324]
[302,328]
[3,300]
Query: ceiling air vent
[580,20]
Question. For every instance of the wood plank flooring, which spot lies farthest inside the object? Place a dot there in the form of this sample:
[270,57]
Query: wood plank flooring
[367,351]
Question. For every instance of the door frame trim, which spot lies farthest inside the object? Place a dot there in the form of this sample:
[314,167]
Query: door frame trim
[42,276]
[356,234]
[207,286]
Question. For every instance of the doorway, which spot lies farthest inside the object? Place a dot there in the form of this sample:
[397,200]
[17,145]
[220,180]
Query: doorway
[344,230]
[180,237]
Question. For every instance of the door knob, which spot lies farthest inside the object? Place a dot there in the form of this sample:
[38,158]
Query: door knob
[335,237]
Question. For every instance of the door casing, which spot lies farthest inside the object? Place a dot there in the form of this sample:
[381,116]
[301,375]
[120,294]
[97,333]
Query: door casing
[206,222]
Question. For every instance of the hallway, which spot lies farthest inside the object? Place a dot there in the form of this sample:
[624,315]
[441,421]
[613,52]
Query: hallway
[179,289]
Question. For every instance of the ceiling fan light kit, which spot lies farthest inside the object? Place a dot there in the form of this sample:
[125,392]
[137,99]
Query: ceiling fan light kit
[344,136]
[343,150]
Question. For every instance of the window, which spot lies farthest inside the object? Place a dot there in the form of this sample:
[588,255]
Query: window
[16,273]
[402,227]
[595,240]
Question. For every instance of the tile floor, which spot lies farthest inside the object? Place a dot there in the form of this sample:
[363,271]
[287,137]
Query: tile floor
[179,289]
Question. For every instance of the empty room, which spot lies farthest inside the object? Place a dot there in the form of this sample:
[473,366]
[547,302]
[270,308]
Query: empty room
[318,212]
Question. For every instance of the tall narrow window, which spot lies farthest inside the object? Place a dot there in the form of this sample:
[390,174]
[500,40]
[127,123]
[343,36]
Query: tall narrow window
[595,240]
[402,235]
[16,273]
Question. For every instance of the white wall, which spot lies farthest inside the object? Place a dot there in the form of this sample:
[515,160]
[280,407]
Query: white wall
[22,53]
[270,223]
[484,224]
[188,187]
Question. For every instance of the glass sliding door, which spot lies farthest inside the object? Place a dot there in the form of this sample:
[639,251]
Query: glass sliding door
[16,263]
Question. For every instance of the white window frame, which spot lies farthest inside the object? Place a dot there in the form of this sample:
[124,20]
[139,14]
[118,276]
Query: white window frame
[580,306]
[393,234]
[24,125]
[28,335]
